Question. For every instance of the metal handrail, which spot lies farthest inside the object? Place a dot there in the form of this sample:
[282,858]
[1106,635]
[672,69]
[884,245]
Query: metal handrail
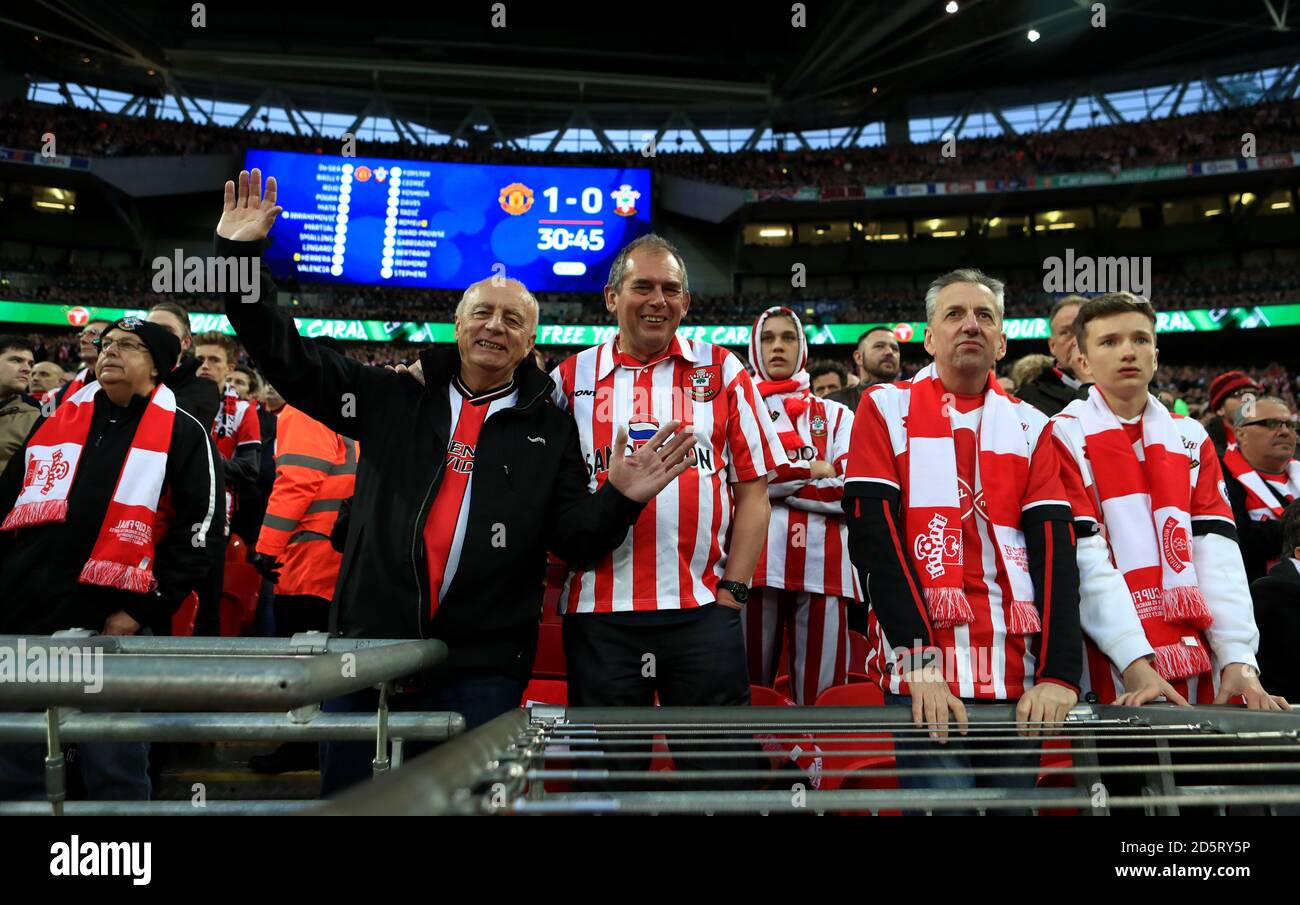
[160,674]
[202,727]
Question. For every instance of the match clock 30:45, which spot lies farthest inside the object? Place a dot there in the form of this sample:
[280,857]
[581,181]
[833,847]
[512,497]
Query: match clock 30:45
[560,238]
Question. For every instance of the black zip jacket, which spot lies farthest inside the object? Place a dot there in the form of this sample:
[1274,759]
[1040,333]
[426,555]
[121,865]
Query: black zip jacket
[1049,393]
[40,566]
[197,395]
[529,493]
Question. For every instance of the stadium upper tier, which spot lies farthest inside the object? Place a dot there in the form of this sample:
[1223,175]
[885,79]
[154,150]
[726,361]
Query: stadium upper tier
[1186,138]
[94,287]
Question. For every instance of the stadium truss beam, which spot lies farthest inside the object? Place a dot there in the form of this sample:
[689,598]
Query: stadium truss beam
[1111,113]
[1279,19]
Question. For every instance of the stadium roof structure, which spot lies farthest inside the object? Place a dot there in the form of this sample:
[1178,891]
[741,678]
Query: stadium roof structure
[448,72]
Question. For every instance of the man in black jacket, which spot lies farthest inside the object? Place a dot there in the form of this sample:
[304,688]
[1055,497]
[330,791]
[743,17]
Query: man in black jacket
[1277,612]
[463,485]
[1057,387]
[118,535]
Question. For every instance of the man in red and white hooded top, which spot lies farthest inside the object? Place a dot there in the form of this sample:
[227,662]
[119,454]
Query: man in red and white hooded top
[955,507]
[1165,605]
[804,578]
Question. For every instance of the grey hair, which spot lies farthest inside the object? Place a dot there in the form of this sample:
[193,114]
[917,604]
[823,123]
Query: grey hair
[1248,411]
[964,275]
[618,270]
[523,291]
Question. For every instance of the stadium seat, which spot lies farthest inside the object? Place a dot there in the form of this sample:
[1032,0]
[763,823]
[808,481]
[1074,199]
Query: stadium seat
[549,663]
[782,685]
[236,549]
[858,647]
[183,619]
[856,694]
[546,691]
[760,696]
[239,598]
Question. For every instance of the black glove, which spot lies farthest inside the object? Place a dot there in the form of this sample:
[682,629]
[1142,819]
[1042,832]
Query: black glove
[267,566]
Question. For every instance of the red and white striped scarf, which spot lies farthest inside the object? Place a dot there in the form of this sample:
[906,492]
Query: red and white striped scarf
[123,554]
[1266,496]
[1145,506]
[224,425]
[48,401]
[934,505]
[795,391]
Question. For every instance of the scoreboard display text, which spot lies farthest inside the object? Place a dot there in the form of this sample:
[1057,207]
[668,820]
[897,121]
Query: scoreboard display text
[445,225]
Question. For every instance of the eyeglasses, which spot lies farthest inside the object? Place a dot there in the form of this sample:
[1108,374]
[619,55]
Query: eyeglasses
[1272,424]
[90,334]
[123,345]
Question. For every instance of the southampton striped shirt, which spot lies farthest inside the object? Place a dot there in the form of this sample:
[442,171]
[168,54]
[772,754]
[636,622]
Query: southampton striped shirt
[807,540]
[444,527]
[981,659]
[246,430]
[676,552]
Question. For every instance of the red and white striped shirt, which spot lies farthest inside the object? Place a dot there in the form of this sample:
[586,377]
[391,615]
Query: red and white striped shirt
[982,659]
[807,540]
[444,527]
[676,552]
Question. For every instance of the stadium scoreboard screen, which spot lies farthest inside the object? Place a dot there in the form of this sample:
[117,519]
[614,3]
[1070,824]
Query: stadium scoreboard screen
[445,225]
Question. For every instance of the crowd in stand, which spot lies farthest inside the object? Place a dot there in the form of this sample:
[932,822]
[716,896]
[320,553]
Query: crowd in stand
[131,288]
[1190,137]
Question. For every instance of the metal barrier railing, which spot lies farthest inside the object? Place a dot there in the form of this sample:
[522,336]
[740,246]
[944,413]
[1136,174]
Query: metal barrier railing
[1156,759]
[125,680]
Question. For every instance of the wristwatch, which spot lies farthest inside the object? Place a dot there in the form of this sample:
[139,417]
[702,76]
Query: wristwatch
[738,590]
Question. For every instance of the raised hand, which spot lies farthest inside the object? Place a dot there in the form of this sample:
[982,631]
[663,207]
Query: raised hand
[247,214]
[651,467]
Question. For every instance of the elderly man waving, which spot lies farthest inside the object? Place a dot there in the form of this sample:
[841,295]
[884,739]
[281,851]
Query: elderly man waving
[463,485]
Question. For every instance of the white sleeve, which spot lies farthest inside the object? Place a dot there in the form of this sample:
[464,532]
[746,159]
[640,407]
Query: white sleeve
[1106,612]
[1233,637]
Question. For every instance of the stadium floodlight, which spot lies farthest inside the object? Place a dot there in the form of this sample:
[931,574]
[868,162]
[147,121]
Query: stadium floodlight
[1033,35]
[951,7]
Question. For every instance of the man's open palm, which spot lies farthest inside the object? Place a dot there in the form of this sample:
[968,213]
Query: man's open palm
[248,214]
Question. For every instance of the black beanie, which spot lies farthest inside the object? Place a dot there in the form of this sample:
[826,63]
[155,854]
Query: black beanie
[161,342]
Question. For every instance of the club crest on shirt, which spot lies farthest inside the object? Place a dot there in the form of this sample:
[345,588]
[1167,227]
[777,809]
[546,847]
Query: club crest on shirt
[939,548]
[967,505]
[704,382]
[817,426]
[1173,540]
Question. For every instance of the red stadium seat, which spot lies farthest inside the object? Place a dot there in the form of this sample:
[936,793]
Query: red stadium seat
[856,677]
[183,620]
[236,549]
[858,647]
[782,685]
[857,694]
[550,652]
[239,598]
[546,691]
[864,744]
[767,697]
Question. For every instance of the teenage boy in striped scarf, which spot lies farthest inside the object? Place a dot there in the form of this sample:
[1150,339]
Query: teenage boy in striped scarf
[955,507]
[804,579]
[1165,605]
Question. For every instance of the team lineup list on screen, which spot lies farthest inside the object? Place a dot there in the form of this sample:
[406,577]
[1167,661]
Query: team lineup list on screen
[418,223]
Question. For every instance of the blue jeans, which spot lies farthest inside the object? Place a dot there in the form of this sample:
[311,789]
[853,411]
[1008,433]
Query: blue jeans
[922,752]
[478,698]
[110,771]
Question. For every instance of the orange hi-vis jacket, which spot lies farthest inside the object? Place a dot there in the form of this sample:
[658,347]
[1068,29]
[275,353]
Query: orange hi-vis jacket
[315,471]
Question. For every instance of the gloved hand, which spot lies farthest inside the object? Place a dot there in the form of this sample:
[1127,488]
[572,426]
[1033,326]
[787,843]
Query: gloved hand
[267,566]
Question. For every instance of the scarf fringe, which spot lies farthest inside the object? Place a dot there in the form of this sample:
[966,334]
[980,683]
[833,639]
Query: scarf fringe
[1024,618]
[29,514]
[118,575]
[1186,604]
[1181,661]
[948,607]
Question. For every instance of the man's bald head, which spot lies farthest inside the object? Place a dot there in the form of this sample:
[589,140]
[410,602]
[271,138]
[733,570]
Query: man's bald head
[498,289]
